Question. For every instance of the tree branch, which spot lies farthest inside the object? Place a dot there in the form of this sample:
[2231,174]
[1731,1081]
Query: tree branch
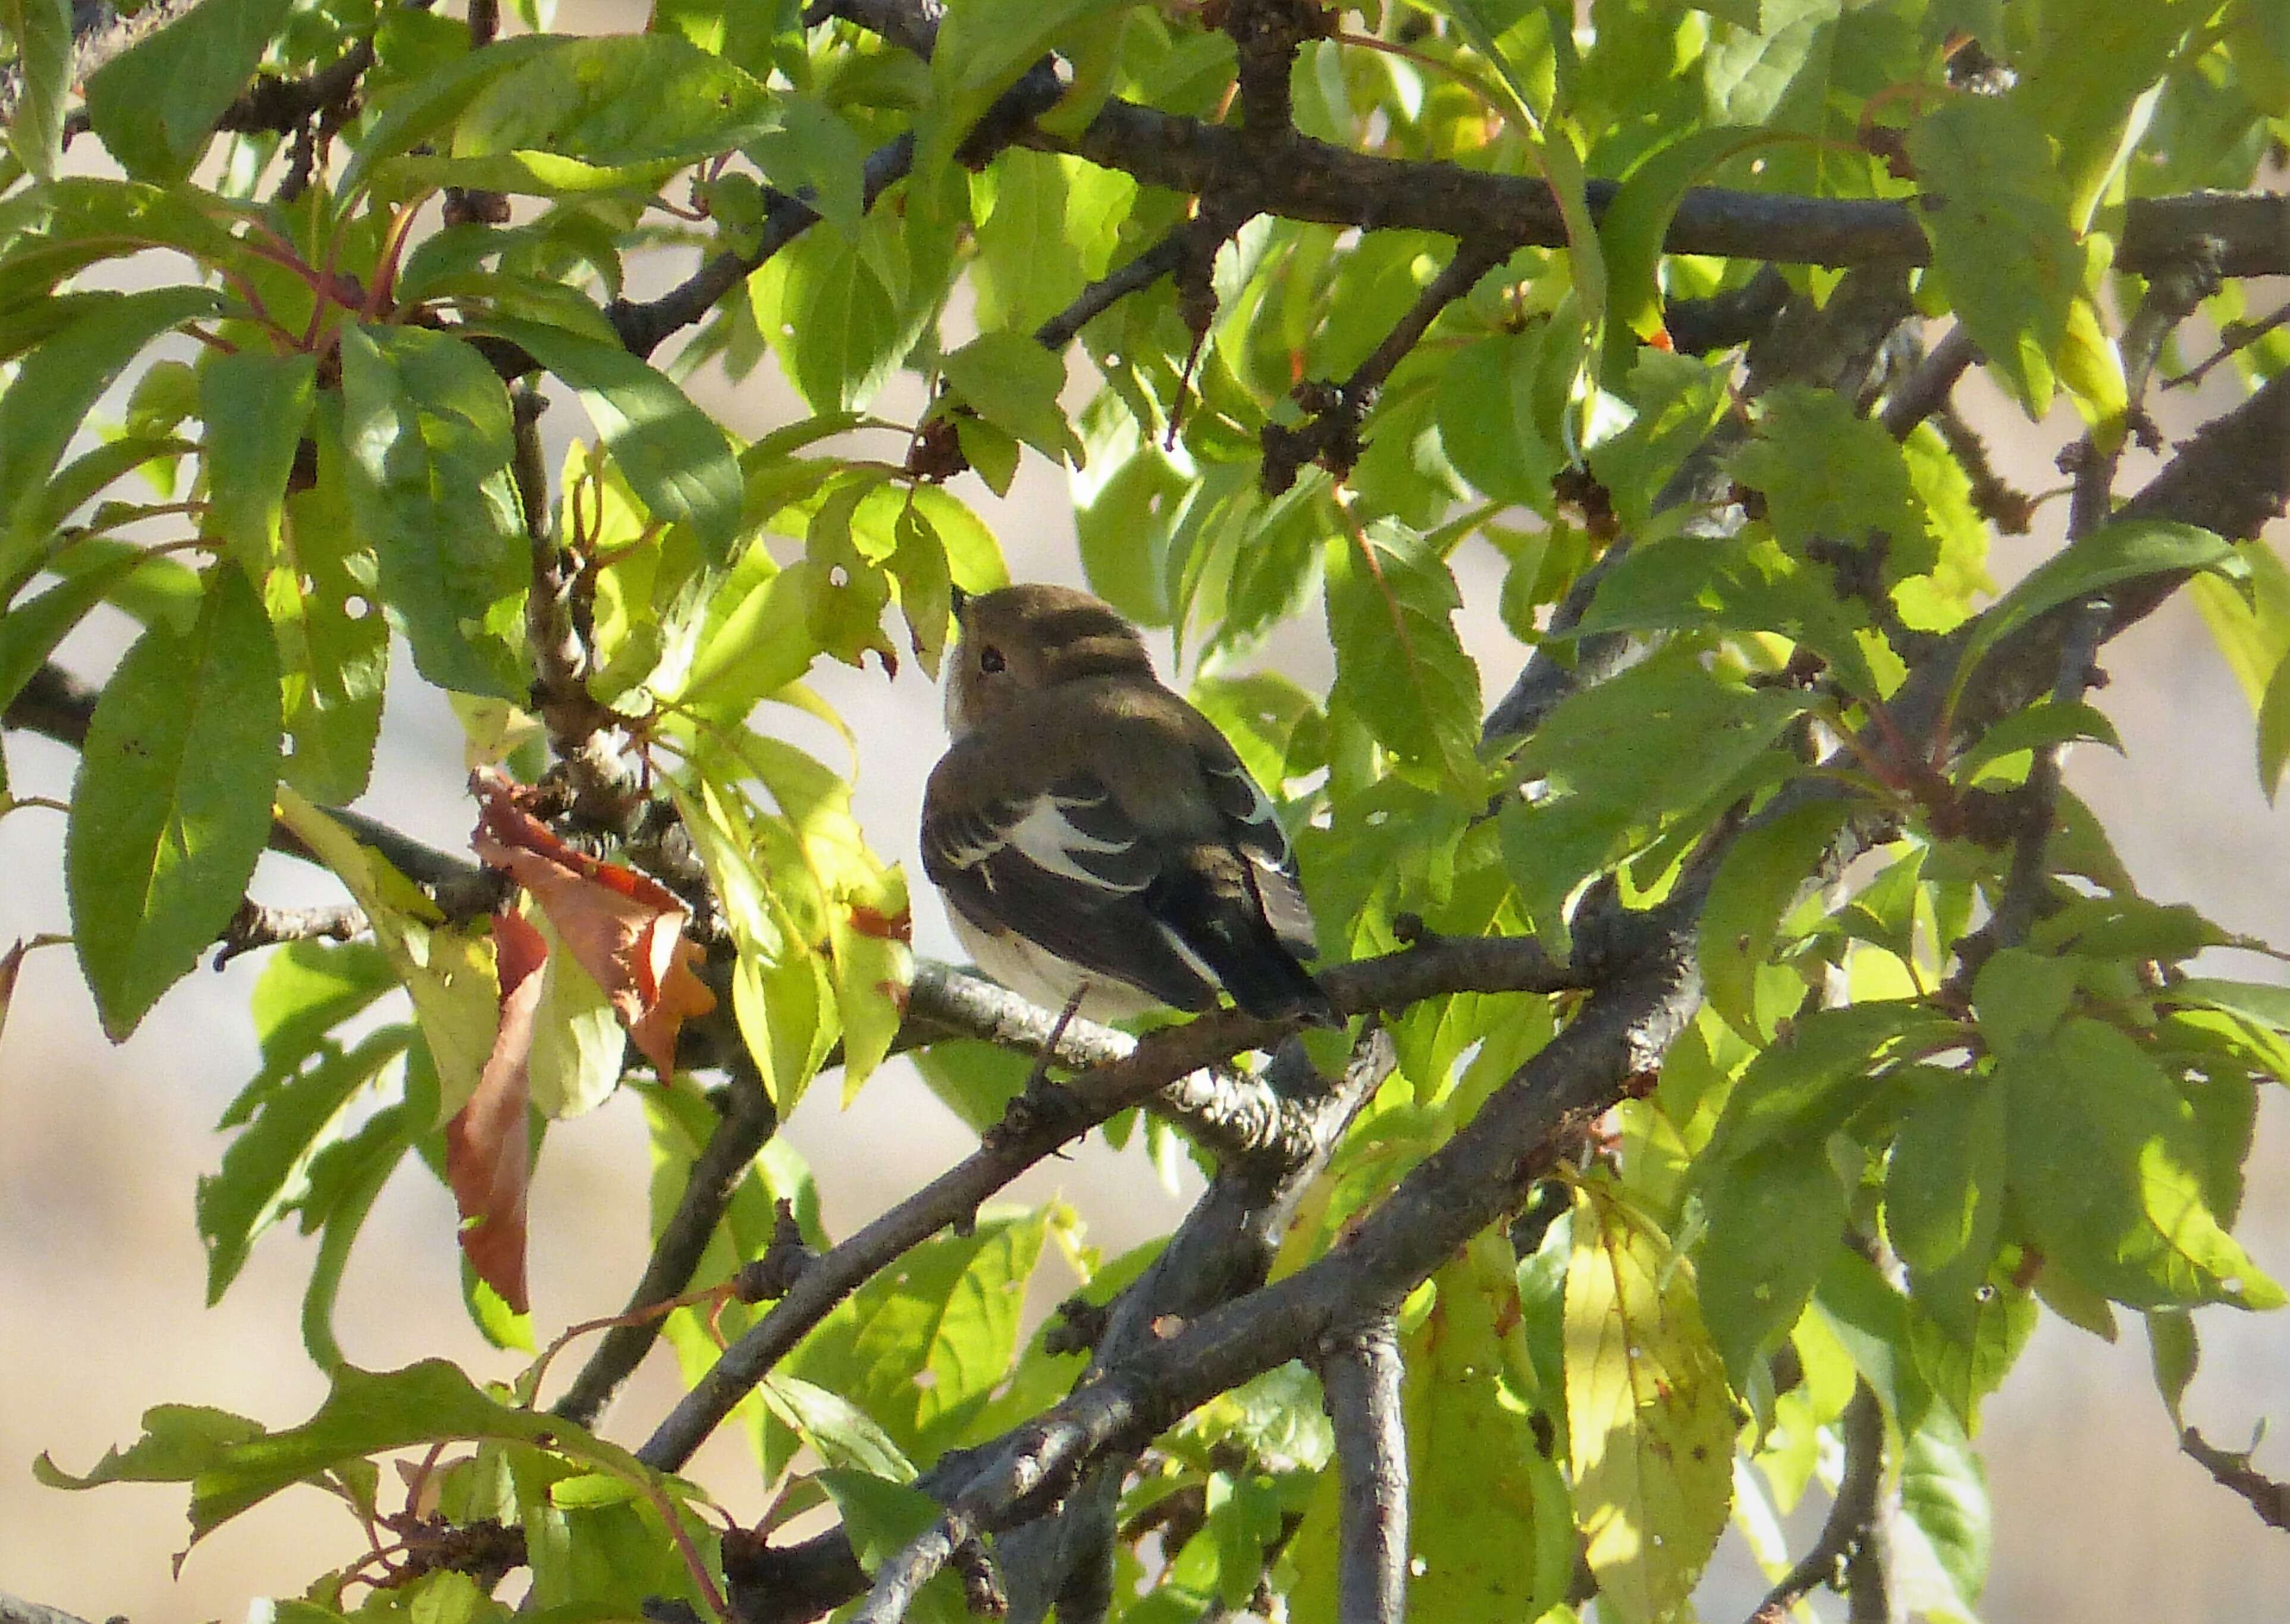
[1360,1372]
[2232,1469]
[1100,296]
[1927,388]
[1331,435]
[14,1609]
[1038,1124]
[1852,1527]
[748,1120]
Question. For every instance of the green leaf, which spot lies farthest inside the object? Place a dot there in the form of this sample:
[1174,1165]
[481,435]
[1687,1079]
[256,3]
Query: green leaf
[155,104]
[1800,1088]
[674,455]
[179,1441]
[172,804]
[1996,211]
[838,1431]
[1733,583]
[1944,1182]
[1013,382]
[333,642]
[810,150]
[2104,1166]
[370,1411]
[59,383]
[42,30]
[1649,1419]
[1832,476]
[1491,422]
[2274,730]
[448,971]
[426,423]
[74,221]
[1400,668]
[2175,1354]
[2124,551]
[2021,996]
[617,101]
[2086,83]
[30,631]
[1631,231]
[1772,861]
[1946,1535]
[1965,1333]
[1775,1218]
[922,1348]
[420,106]
[2045,723]
[976,1080]
[255,406]
[266,1168]
[1490,1531]
[837,328]
[306,990]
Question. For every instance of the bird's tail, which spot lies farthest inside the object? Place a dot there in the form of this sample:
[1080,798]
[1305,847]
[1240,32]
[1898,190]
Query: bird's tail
[1219,917]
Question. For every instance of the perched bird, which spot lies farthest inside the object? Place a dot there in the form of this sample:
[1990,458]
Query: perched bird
[1092,830]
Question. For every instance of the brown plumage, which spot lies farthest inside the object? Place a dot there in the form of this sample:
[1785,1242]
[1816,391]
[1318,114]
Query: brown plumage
[1090,827]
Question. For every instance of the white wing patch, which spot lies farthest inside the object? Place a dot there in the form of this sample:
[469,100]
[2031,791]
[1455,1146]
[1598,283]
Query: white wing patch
[1048,838]
[1268,842]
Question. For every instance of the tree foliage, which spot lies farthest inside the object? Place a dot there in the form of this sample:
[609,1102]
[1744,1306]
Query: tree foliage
[1754,1035]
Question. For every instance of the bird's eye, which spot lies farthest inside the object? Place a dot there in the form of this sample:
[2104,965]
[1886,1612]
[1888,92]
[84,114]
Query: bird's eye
[989,659]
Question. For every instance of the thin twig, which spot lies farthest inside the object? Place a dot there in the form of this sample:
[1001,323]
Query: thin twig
[2232,1469]
[1926,390]
[2234,337]
[1853,1519]
[259,925]
[1109,290]
[2173,294]
[1360,1374]
[1331,436]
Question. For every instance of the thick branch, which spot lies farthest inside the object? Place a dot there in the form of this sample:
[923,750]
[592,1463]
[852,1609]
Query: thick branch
[1038,1124]
[1452,1195]
[1360,1372]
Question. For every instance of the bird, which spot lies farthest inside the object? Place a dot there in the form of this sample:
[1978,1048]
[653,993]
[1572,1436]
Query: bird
[1099,843]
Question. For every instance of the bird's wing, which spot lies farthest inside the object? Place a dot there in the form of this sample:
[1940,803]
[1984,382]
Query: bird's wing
[1254,831]
[1063,866]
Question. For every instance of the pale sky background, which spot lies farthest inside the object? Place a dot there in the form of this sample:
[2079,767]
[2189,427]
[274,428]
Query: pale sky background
[101,1275]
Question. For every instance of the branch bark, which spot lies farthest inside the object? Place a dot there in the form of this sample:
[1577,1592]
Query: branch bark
[1037,1124]
[1360,1372]
[748,1121]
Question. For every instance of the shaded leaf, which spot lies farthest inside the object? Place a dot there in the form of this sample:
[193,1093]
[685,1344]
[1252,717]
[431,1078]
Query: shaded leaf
[171,804]
[427,424]
[155,103]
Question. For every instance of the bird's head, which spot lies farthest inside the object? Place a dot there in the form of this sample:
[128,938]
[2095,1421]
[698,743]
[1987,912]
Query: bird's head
[1022,640]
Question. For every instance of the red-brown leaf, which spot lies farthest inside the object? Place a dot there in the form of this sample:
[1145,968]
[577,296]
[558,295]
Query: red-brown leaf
[487,1148]
[623,928]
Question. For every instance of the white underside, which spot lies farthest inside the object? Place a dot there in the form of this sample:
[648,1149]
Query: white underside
[1033,972]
